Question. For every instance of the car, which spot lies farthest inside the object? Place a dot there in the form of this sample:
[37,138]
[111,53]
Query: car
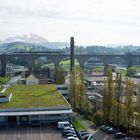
[90,137]
[85,136]
[106,128]
[68,131]
[111,131]
[68,128]
[70,134]
[119,135]
[72,138]
[102,127]
[83,133]
[61,125]
[128,138]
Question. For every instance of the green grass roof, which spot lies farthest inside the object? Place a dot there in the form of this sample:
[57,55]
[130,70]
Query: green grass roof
[34,96]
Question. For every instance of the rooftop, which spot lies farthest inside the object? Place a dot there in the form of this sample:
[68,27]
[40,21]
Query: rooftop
[34,96]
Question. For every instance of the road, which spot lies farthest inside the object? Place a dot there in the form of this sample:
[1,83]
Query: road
[98,135]
[30,133]
[12,81]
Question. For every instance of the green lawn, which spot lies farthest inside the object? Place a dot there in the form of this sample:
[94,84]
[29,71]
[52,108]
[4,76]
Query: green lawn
[34,96]
[66,64]
[122,71]
[4,80]
[78,125]
[99,69]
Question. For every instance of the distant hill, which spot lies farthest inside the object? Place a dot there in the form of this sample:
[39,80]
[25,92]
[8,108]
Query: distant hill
[29,43]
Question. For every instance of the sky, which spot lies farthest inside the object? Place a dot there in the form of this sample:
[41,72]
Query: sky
[97,22]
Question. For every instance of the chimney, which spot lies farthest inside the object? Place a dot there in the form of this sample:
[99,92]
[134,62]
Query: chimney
[71,53]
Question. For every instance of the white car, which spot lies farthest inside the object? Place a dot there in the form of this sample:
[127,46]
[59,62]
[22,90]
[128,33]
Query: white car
[72,138]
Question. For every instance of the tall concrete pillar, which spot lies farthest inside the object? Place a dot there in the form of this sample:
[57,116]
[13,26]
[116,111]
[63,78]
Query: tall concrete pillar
[71,53]
[105,69]
[56,64]
[3,65]
[129,59]
[82,64]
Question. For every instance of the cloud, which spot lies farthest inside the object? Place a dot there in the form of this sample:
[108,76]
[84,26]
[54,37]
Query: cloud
[58,20]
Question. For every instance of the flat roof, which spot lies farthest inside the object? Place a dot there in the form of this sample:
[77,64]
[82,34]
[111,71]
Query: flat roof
[21,113]
[101,78]
[34,96]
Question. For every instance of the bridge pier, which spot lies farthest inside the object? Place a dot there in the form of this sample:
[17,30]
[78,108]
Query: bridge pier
[105,69]
[3,65]
[129,59]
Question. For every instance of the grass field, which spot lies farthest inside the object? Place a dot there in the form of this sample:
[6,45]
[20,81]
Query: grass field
[78,125]
[4,80]
[66,64]
[34,96]
[122,71]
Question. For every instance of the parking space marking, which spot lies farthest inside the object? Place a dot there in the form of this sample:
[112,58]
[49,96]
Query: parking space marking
[28,133]
[4,133]
[41,132]
[15,133]
[31,132]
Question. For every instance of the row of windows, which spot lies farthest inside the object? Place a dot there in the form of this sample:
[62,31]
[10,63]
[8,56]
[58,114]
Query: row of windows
[62,88]
[49,115]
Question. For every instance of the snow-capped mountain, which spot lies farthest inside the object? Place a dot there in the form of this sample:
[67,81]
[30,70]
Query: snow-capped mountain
[32,42]
[31,38]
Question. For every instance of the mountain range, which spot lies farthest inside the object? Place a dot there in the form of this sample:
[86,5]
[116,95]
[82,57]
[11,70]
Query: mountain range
[32,42]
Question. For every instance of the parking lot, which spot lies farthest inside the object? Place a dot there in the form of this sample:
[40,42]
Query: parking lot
[99,135]
[30,133]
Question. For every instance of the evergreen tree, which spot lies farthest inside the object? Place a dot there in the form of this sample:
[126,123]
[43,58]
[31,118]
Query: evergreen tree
[108,96]
[118,92]
[137,121]
[73,88]
[82,91]
[105,91]
[59,77]
[129,105]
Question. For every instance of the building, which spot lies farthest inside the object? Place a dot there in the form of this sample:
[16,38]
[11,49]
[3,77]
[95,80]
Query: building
[32,80]
[39,78]
[34,104]
[64,90]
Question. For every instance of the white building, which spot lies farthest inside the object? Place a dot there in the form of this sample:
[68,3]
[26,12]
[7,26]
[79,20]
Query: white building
[32,80]
[64,90]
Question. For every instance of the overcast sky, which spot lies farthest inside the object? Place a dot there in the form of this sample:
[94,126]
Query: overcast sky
[89,21]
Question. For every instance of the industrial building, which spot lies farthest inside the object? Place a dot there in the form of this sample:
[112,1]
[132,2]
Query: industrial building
[33,104]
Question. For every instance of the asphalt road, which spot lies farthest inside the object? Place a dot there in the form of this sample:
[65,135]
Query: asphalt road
[30,133]
[99,135]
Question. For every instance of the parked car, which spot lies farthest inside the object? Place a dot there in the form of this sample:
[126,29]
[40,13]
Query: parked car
[68,131]
[61,125]
[106,128]
[83,133]
[128,138]
[119,135]
[72,138]
[111,131]
[68,128]
[102,127]
[85,136]
[90,137]
[70,134]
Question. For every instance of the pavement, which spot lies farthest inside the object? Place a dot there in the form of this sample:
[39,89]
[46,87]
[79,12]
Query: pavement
[10,82]
[30,133]
[98,135]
